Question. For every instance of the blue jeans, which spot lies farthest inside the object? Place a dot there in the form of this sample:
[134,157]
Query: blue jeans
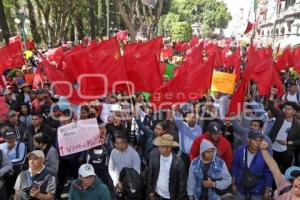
[239,196]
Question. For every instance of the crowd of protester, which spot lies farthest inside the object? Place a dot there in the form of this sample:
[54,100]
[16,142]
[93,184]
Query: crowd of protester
[190,151]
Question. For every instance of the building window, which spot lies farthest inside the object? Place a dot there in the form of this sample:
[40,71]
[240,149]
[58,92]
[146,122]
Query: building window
[277,31]
[262,32]
[289,26]
[282,32]
[268,33]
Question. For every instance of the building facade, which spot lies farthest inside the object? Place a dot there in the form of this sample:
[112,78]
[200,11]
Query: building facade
[278,21]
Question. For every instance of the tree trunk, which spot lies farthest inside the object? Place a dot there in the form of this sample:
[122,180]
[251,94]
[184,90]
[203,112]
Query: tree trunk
[72,32]
[3,23]
[79,27]
[92,18]
[33,24]
[130,26]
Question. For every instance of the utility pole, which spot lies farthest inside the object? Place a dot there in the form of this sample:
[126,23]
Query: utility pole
[107,17]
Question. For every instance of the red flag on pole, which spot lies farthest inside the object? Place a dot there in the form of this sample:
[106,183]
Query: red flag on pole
[250,27]
[11,56]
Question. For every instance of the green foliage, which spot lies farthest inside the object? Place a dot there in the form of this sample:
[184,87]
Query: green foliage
[181,31]
[211,13]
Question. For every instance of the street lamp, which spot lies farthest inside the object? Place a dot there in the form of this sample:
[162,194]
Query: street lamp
[22,21]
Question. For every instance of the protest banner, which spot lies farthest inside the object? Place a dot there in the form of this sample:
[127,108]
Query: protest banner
[78,136]
[223,82]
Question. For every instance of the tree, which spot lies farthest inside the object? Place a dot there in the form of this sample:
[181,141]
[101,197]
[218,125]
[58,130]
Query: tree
[3,22]
[137,14]
[181,31]
[33,24]
[211,13]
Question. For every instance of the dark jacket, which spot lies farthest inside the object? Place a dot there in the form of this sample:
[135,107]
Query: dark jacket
[293,132]
[19,129]
[177,181]
[45,128]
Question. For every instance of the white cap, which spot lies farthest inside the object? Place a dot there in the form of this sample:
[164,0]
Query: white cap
[86,170]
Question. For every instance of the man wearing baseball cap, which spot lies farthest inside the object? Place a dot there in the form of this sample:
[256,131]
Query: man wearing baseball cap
[88,185]
[16,153]
[36,182]
[214,135]
[248,161]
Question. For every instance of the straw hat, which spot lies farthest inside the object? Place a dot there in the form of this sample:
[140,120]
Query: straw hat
[165,140]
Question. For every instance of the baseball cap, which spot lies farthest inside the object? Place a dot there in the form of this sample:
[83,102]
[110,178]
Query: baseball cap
[214,128]
[12,113]
[292,172]
[10,133]
[253,134]
[37,153]
[86,170]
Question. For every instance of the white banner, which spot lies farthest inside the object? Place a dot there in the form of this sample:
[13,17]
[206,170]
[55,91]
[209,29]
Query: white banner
[78,136]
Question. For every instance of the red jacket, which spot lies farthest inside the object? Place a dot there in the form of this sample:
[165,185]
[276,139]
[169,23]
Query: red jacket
[223,146]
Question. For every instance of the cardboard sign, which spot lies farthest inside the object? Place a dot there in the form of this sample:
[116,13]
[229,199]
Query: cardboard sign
[223,82]
[78,136]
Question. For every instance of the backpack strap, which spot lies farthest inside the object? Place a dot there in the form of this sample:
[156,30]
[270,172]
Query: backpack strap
[17,150]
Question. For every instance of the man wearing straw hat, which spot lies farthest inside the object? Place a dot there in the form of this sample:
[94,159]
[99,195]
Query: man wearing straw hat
[166,176]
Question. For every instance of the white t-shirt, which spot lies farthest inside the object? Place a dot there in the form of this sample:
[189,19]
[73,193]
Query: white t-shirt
[282,135]
[250,157]
[162,184]
[290,97]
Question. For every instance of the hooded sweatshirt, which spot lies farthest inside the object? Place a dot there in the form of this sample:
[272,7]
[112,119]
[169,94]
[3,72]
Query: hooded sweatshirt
[217,171]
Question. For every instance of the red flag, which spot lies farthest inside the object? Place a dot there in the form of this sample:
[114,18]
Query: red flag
[252,61]
[153,46]
[283,61]
[185,86]
[296,60]
[54,56]
[143,72]
[216,52]
[180,47]
[55,75]
[249,27]
[226,57]
[192,59]
[236,62]
[237,100]
[11,56]
[194,41]
[96,68]
[30,44]
[162,68]
[167,52]
[38,78]
[14,39]
[142,64]
[122,35]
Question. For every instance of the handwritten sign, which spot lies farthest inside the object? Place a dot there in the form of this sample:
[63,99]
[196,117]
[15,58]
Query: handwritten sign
[78,136]
[223,82]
